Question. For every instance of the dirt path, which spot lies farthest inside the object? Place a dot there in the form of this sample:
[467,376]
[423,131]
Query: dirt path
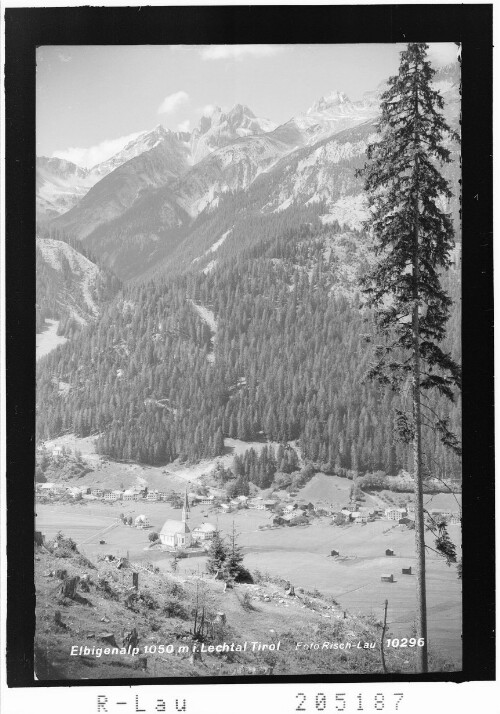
[100,533]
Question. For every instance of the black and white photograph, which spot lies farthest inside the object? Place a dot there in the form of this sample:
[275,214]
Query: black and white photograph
[248,428]
[248,360]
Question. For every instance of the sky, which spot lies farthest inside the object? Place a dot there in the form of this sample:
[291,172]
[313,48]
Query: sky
[92,100]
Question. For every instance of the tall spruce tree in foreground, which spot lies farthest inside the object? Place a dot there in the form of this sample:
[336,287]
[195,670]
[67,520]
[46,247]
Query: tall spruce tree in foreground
[413,239]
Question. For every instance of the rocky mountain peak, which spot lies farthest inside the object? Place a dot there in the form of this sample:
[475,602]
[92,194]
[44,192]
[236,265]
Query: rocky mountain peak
[331,100]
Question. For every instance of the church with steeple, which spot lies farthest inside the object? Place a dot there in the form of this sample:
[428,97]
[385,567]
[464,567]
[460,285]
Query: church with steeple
[177,534]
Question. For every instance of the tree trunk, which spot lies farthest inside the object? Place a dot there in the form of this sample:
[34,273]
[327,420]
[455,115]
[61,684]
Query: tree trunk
[421,621]
[384,627]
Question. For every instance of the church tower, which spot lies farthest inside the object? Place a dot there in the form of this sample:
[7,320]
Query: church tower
[185,508]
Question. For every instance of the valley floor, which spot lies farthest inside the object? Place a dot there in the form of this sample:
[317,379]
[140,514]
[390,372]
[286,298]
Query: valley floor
[299,554]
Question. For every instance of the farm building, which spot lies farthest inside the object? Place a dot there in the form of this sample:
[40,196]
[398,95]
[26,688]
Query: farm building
[142,521]
[152,496]
[394,514]
[57,451]
[389,551]
[269,504]
[406,571]
[387,578]
[351,507]
[256,503]
[360,518]
[334,552]
[205,500]
[113,496]
[346,513]
[97,492]
[46,487]
[438,514]
[130,495]
[204,532]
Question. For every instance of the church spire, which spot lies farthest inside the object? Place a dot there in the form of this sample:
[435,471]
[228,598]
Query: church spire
[185,508]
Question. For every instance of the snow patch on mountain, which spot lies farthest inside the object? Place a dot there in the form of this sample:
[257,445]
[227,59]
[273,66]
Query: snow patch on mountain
[213,248]
[60,184]
[48,340]
[219,242]
[209,267]
[284,205]
[144,142]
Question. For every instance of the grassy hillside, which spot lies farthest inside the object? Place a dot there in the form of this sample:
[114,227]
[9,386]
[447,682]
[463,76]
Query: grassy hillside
[105,609]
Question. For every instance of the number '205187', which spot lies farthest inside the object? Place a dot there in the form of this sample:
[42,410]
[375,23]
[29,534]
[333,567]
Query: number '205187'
[339,702]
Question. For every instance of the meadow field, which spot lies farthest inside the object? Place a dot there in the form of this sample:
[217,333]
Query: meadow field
[107,473]
[300,554]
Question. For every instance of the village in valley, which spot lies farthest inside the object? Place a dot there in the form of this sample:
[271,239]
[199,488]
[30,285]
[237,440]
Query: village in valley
[327,536]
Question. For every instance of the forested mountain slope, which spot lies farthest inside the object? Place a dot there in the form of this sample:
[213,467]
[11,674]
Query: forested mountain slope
[288,361]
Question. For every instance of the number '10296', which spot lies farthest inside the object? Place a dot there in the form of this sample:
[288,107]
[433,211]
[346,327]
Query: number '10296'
[339,702]
[406,642]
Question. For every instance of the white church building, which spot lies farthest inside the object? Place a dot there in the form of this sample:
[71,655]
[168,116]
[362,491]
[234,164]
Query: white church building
[177,534]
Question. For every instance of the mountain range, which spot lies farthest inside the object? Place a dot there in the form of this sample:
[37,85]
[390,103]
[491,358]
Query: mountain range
[143,208]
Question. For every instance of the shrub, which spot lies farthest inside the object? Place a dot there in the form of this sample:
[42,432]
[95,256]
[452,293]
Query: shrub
[148,601]
[153,537]
[246,601]
[173,608]
[176,590]
[243,575]
[62,547]
[106,589]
